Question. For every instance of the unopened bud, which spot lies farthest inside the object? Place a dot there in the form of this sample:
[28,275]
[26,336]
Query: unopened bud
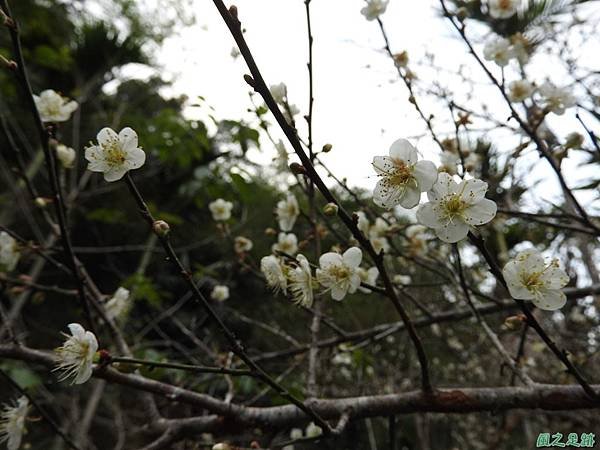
[411,99]
[270,231]
[221,446]
[514,322]
[462,13]
[401,59]
[327,148]
[161,228]
[233,11]
[330,209]
[297,169]
[574,140]
[42,202]
[248,79]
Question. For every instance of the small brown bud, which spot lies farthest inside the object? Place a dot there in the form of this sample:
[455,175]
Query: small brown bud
[161,228]
[270,231]
[234,12]
[514,322]
[297,169]
[327,148]
[42,202]
[462,13]
[248,79]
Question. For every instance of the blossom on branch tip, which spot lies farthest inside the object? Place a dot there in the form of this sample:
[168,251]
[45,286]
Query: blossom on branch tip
[242,244]
[279,92]
[287,212]
[520,90]
[12,423]
[499,50]
[556,99]
[220,293]
[339,273]
[368,276]
[66,155]
[220,209]
[454,208]
[53,107]
[300,284]
[374,9]
[402,176]
[286,243]
[9,252]
[115,154]
[273,271]
[76,356]
[118,304]
[529,277]
[503,9]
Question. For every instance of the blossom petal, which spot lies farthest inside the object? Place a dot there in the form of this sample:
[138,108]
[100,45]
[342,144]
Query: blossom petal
[382,164]
[426,174]
[410,198]
[453,231]
[403,150]
[531,261]
[427,215]
[444,186]
[387,196]
[76,330]
[512,276]
[554,278]
[114,173]
[330,259]
[128,139]
[550,299]
[481,212]
[352,257]
[136,158]
[473,190]
[106,136]
[338,292]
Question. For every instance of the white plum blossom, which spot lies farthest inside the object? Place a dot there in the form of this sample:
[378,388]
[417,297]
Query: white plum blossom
[313,430]
[9,252]
[339,273]
[300,284]
[521,47]
[374,9]
[76,356]
[529,277]
[503,9]
[220,293]
[286,243]
[402,279]
[556,99]
[449,163]
[66,155]
[53,107]
[220,210]
[499,50]
[472,162]
[118,305]
[12,423]
[380,228]
[380,244]
[242,244]
[402,176]
[287,212]
[368,276]
[290,111]
[273,271]
[281,160]
[115,154]
[363,223]
[417,239]
[279,92]
[520,90]
[454,208]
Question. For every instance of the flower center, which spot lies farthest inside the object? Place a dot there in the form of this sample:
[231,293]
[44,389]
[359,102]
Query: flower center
[340,272]
[454,206]
[505,4]
[114,153]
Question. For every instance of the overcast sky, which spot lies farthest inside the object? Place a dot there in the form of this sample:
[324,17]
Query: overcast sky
[360,105]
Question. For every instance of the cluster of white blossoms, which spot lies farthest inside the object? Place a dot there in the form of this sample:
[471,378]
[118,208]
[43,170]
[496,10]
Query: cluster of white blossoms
[374,9]
[220,293]
[53,107]
[280,95]
[287,243]
[9,252]
[220,210]
[119,304]
[402,176]
[499,50]
[503,9]
[115,154]
[12,423]
[75,359]
[529,277]
[287,212]
[451,157]
[520,90]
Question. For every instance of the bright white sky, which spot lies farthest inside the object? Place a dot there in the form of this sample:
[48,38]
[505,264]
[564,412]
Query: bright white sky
[360,105]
